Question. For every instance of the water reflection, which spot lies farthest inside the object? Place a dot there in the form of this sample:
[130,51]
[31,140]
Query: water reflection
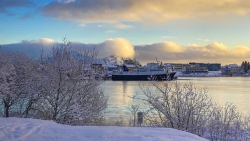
[222,89]
[227,89]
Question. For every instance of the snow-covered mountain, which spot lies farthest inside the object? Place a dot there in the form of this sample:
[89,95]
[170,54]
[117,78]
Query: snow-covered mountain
[116,61]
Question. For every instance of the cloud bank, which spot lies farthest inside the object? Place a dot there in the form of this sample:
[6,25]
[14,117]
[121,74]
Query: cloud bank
[175,53]
[167,52]
[87,11]
[118,46]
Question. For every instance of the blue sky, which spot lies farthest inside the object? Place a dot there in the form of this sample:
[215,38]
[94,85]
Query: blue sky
[175,31]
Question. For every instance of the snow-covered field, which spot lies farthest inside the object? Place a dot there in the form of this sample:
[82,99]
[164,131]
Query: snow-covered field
[20,129]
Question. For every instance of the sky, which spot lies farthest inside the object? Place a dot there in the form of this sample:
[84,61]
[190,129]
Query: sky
[173,31]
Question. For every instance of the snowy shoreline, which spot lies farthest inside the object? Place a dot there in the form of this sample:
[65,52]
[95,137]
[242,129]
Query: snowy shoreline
[209,74]
[24,129]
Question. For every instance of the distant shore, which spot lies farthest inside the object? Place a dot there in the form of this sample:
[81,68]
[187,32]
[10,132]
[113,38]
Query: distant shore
[210,74]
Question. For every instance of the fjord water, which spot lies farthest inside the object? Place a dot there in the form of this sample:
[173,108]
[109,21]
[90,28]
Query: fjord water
[234,90]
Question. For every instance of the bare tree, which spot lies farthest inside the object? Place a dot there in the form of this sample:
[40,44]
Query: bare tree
[15,72]
[133,108]
[226,124]
[66,95]
[188,108]
[26,69]
[8,86]
[120,121]
[175,105]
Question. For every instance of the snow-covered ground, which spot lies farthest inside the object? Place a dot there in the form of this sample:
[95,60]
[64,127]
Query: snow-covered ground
[20,129]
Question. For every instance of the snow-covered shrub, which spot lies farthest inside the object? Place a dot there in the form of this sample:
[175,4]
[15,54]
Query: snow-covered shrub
[67,96]
[185,107]
[176,105]
[16,73]
[54,87]
[226,124]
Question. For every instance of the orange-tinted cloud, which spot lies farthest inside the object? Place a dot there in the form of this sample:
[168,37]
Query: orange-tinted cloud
[166,52]
[143,10]
[118,46]
[211,53]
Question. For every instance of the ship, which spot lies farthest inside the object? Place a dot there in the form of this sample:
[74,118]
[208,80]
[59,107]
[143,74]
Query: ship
[150,72]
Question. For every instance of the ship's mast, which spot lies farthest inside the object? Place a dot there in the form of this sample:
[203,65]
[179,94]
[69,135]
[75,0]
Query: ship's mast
[157,60]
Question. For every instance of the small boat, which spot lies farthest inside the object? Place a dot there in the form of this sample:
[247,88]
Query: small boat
[152,71]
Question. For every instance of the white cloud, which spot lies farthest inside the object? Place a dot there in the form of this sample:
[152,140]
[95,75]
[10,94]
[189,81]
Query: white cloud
[123,26]
[82,25]
[110,31]
[66,1]
[46,41]
[31,47]
[204,40]
[168,37]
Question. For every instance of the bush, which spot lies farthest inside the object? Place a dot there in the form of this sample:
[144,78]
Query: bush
[188,108]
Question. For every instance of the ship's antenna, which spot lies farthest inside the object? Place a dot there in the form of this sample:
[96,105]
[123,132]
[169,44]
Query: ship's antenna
[156,60]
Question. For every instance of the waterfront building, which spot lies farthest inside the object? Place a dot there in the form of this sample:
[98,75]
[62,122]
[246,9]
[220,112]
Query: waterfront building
[178,66]
[195,69]
[209,66]
[234,68]
[225,70]
[169,67]
[230,69]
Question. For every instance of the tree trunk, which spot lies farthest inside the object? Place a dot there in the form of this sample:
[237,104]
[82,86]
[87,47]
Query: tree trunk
[6,109]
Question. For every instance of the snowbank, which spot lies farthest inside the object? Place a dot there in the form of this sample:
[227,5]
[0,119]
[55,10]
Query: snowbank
[13,129]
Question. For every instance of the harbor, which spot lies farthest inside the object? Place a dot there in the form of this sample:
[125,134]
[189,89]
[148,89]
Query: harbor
[129,69]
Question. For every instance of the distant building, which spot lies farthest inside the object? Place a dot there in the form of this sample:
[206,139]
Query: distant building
[209,66]
[230,69]
[178,66]
[234,68]
[195,69]
[225,70]
[169,67]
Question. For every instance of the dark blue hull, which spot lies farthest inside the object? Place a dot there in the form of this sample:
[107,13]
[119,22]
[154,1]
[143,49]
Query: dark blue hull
[160,77]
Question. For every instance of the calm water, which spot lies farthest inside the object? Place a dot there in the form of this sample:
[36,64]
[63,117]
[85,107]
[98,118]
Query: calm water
[222,89]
